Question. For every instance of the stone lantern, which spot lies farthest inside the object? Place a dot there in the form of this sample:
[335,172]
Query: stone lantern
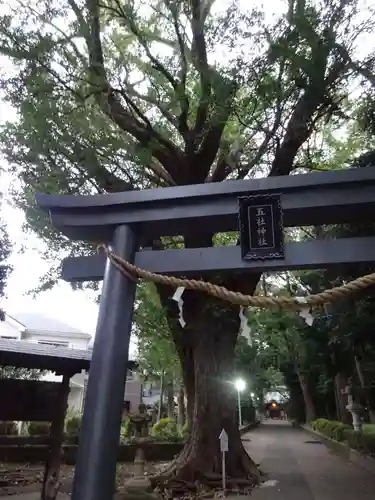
[140,422]
[355,409]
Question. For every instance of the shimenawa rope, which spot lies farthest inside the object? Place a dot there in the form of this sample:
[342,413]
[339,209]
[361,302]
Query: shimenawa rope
[295,303]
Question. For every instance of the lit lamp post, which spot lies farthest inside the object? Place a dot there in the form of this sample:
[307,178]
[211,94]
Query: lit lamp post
[240,386]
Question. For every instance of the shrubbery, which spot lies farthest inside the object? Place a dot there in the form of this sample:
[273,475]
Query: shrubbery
[364,443]
[8,429]
[331,428]
[73,425]
[125,428]
[166,430]
[39,429]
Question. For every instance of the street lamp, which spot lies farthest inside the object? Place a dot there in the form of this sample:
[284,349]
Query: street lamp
[240,386]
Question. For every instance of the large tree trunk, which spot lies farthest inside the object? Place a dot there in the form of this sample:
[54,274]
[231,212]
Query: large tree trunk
[211,330]
[310,412]
[365,392]
[187,364]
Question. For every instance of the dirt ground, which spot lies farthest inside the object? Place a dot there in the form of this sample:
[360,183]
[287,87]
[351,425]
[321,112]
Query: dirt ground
[27,478]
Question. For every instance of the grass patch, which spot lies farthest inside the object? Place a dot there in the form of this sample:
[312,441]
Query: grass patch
[369,429]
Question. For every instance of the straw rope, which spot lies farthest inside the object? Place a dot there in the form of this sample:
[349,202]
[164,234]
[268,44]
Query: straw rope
[295,303]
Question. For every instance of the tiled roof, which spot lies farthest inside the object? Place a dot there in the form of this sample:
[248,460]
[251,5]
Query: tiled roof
[24,354]
[26,347]
[36,321]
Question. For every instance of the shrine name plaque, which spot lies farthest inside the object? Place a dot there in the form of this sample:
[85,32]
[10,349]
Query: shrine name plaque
[261,227]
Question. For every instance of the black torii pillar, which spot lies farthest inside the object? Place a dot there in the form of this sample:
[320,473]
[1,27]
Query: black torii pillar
[95,470]
[311,199]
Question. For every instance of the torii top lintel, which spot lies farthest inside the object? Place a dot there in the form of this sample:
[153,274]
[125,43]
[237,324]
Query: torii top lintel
[319,198]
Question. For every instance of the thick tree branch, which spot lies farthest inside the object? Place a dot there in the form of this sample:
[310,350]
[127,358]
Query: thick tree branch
[312,102]
[138,126]
[156,63]
[178,86]
[297,132]
[140,115]
[183,127]
[200,56]
[96,59]
[171,158]
[130,90]
[204,158]
[230,162]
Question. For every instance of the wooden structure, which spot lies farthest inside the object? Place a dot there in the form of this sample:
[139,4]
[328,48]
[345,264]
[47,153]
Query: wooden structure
[129,221]
[30,400]
[274,409]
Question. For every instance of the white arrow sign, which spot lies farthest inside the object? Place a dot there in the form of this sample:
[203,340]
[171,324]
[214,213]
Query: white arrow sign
[223,441]
[223,448]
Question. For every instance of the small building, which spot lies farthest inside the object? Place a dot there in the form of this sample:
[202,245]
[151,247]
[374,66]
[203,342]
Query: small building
[273,409]
[35,400]
[52,334]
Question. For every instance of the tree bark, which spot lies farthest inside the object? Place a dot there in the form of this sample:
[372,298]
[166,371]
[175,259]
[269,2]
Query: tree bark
[187,364]
[170,400]
[212,329]
[365,392]
[310,412]
[181,406]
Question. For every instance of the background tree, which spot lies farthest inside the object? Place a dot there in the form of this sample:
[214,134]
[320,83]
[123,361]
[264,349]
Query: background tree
[115,96]
[20,373]
[5,267]
[156,353]
[254,363]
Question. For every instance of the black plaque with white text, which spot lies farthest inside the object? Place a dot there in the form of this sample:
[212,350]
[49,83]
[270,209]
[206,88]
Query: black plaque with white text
[261,227]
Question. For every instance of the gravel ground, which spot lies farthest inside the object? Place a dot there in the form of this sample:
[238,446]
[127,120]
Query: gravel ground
[27,478]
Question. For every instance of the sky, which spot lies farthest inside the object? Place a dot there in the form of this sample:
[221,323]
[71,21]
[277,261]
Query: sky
[76,308]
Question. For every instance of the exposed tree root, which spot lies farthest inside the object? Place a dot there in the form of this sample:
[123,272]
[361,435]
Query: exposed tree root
[185,477]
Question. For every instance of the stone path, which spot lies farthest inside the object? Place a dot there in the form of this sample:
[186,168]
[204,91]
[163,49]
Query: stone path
[300,470]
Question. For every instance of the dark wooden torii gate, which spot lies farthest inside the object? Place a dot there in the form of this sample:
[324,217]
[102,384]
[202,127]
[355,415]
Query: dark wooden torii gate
[127,220]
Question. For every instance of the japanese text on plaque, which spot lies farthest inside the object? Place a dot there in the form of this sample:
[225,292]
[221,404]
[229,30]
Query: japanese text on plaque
[261,230]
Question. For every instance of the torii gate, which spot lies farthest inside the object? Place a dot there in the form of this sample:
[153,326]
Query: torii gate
[127,220]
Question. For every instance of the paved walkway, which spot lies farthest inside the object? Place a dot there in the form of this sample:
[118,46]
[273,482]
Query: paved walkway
[300,470]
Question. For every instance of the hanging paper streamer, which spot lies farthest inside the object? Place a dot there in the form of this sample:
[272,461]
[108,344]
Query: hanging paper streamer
[178,298]
[305,313]
[245,330]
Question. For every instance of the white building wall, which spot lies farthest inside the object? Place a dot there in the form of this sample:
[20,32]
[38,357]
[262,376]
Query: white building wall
[63,339]
[7,329]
